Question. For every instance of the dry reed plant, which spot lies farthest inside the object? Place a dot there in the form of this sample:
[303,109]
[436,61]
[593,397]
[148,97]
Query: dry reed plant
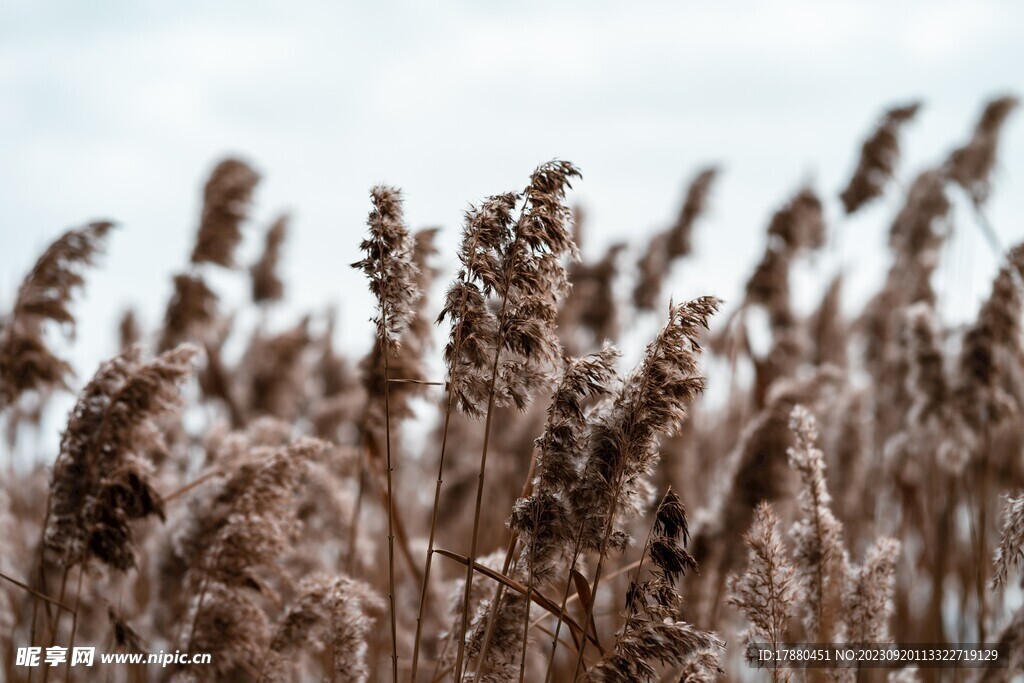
[878,157]
[26,362]
[266,282]
[766,592]
[845,471]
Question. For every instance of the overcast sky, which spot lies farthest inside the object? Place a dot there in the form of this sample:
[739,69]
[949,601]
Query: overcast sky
[119,109]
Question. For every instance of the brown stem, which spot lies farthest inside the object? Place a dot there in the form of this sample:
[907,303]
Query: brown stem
[191,485]
[981,491]
[499,591]
[400,530]
[440,474]
[480,490]
[565,602]
[202,595]
[597,573]
[31,591]
[74,622]
[56,621]
[518,587]
[630,611]
[430,541]
[575,596]
[391,508]
[609,525]
[353,527]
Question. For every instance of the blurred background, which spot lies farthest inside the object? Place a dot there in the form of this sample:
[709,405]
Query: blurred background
[119,110]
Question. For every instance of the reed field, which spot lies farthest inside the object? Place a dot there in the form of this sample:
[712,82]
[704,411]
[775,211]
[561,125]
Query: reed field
[490,490]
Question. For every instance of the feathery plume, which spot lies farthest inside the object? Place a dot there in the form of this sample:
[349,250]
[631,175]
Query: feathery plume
[353,605]
[128,331]
[971,166]
[654,631]
[191,310]
[273,368]
[829,328]
[26,362]
[250,525]
[681,232]
[651,270]
[1010,552]
[479,605]
[473,323]
[868,601]
[703,666]
[335,615]
[666,549]
[126,638]
[394,280]
[100,481]
[519,262]
[994,337]
[504,642]
[766,592]
[232,627]
[389,265]
[216,381]
[266,283]
[542,520]
[530,282]
[878,158]
[673,243]
[756,469]
[226,199]
[406,360]
[623,445]
[926,381]
[915,238]
[623,451]
[591,305]
[769,285]
[933,422]
[800,224]
[821,560]
[302,626]
[919,228]
[196,524]
[797,227]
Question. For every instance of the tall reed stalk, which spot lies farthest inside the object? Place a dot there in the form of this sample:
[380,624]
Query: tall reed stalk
[653,401]
[393,276]
[527,273]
